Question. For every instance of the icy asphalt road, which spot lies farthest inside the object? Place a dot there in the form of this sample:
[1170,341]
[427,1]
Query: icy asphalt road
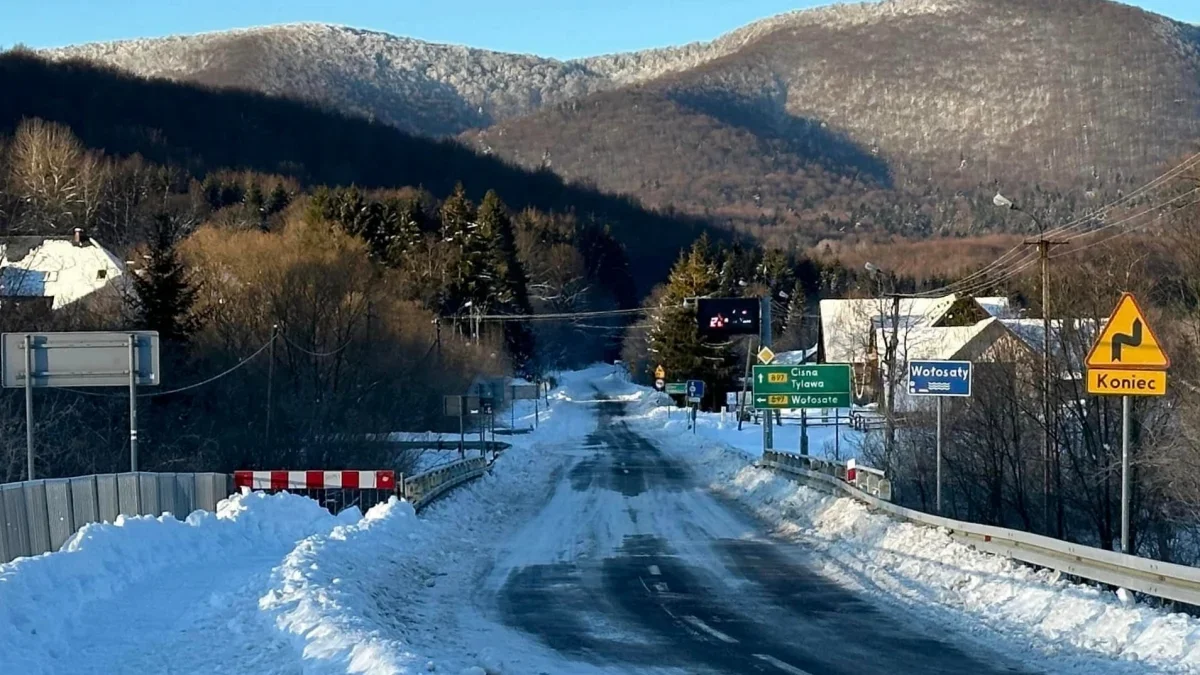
[631,566]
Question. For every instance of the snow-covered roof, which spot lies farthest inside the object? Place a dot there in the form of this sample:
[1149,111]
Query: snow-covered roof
[846,324]
[1075,342]
[795,357]
[55,267]
[932,343]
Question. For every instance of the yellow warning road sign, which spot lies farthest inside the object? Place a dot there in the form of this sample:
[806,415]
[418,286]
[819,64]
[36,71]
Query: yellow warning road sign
[659,373]
[1127,341]
[766,356]
[1127,382]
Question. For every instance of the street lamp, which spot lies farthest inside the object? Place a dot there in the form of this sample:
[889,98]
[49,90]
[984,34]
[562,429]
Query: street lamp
[1043,245]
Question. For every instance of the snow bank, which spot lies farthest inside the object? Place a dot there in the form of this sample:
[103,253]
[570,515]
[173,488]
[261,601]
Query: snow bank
[931,573]
[45,601]
[345,596]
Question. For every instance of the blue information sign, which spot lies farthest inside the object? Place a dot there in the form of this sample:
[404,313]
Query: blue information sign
[939,378]
[695,389]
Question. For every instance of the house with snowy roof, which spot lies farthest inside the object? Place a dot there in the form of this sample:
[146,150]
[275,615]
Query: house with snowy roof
[53,272]
[953,327]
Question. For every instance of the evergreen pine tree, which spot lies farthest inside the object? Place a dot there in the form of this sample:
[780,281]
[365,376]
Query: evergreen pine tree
[163,294]
[277,201]
[504,273]
[674,339]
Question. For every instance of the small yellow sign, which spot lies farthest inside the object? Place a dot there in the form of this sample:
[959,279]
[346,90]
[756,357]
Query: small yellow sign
[766,356]
[777,378]
[1128,341]
[1127,382]
[777,400]
[660,373]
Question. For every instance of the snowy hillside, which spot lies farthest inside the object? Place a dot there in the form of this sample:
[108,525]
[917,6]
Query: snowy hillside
[434,88]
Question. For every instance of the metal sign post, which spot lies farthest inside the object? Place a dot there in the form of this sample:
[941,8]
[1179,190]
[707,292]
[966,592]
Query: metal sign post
[29,403]
[939,454]
[939,379]
[133,426]
[1125,406]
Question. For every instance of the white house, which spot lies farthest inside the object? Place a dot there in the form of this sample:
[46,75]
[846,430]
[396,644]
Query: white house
[952,327]
[63,270]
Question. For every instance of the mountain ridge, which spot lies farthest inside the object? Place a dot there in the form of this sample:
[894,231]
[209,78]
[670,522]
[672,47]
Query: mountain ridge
[893,116]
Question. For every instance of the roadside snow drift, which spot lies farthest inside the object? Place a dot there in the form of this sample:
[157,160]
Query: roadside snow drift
[931,573]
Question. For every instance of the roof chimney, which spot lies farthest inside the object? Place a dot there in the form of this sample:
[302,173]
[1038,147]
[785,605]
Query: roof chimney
[79,236]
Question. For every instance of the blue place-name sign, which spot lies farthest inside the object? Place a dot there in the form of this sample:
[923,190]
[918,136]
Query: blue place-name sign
[695,389]
[939,378]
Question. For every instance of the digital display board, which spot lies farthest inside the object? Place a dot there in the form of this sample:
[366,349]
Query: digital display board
[728,316]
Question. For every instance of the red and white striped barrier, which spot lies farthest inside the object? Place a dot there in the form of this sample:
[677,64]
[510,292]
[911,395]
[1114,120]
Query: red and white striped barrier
[315,480]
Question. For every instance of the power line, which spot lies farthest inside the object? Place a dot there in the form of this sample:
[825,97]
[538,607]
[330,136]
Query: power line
[1122,233]
[335,352]
[210,380]
[566,315]
[1007,258]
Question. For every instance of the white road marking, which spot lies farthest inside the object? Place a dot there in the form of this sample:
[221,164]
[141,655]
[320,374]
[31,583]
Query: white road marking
[711,631]
[654,570]
[785,667]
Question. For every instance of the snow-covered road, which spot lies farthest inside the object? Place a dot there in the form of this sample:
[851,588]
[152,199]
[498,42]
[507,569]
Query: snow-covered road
[632,566]
[607,542]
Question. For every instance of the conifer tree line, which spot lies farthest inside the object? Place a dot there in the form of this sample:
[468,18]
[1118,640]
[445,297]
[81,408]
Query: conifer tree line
[356,303]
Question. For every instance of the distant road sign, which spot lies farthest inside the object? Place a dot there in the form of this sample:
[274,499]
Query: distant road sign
[1128,341]
[524,392]
[88,359]
[457,405]
[660,373]
[659,384]
[728,316]
[802,386]
[695,389]
[939,378]
[676,388]
[766,356]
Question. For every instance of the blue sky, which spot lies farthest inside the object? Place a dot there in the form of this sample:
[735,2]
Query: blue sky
[556,28]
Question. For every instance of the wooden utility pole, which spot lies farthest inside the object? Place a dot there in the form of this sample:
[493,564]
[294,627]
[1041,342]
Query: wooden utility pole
[892,347]
[1048,378]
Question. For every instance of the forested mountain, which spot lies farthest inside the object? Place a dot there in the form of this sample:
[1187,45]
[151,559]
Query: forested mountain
[201,129]
[901,116]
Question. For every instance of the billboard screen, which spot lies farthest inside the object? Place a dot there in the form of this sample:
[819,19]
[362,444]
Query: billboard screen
[728,316]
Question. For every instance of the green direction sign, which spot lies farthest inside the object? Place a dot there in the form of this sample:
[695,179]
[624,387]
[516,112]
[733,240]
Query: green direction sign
[676,388]
[802,386]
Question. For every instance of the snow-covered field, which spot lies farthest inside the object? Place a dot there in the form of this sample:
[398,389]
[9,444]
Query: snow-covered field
[926,571]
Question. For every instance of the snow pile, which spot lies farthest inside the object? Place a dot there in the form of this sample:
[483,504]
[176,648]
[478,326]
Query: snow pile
[925,569]
[47,602]
[345,597]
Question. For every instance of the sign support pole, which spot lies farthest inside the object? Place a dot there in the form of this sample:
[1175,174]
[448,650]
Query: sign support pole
[745,383]
[939,455]
[765,340]
[133,426]
[804,431]
[462,427]
[1125,406]
[29,404]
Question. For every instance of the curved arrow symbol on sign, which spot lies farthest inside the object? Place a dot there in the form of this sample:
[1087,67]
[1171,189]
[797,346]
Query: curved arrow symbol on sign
[1132,340]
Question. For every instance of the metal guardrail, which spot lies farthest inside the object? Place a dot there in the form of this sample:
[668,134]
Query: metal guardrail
[39,516]
[871,481]
[423,488]
[1144,575]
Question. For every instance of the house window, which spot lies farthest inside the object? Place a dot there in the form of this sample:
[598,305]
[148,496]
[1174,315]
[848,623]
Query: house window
[102,274]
